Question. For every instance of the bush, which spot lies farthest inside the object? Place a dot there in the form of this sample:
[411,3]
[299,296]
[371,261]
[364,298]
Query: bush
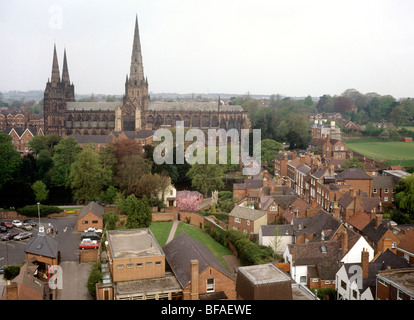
[32,210]
[95,276]
[224,195]
[249,252]
[11,272]
[110,219]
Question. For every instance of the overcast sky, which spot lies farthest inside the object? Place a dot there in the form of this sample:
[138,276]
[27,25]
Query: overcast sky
[290,47]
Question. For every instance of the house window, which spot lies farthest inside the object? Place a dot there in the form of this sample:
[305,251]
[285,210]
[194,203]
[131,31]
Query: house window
[385,199]
[157,263]
[302,279]
[354,294]
[386,190]
[210,285]
[374,191]
[85,222]
[248,222]
[400,295]
[148,264]
[328,282]
[394,245]
[273,208]
[382,282]
[343,285]
[130,265]
[120,266]
[94,221]
[139,265]
[237,220]
[315,280]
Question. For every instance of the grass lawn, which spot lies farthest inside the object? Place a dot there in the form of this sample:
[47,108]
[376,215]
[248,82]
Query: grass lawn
[392,153]
[216,248]
[161,231]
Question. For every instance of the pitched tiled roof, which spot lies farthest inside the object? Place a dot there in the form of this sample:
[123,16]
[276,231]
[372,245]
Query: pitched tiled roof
[321,221]
[359,220]
[43,245]
[189,106]
[407,241]
[354,174]
[93,207]
[85,139]
[179,259]
[246,213]
[282,230]
[384,182]
[374,233]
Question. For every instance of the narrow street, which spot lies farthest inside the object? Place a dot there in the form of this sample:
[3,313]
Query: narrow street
[75,279]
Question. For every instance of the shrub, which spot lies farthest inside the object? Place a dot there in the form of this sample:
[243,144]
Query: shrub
[95,276]
[11,272]
[32,210]
[224,195]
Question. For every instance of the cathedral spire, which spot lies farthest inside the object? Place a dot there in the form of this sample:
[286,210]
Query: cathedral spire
[55,68]
[137,70]
[65,71]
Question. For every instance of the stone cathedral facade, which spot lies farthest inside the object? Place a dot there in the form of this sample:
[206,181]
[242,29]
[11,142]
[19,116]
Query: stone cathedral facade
[64,116]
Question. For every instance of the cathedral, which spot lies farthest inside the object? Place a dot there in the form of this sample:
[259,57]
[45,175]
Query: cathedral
[64,116]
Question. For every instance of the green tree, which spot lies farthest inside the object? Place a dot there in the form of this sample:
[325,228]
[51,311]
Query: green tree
[308,101]
[65,153]
[130,171]
[353,163]
[47,143]
[40,191]
[138,211]
[206,177]
[10,159]
[404,195]
[398,115]
[269,149]
[86,176]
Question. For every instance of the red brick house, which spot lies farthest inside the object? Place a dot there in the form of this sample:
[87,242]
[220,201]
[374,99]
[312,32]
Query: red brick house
[201,275]
[91,216]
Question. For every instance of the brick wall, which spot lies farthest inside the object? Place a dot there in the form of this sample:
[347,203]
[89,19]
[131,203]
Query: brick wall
[163,216]
[88,256]
[192,218]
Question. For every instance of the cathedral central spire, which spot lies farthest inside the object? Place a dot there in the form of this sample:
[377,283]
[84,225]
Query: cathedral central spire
[65,71]
[137,70]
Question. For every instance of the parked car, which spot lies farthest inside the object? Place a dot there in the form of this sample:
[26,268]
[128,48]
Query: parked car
[26,226]
[23,235]
[17,223]
[31,222]
[9,236]
[1,269]
[90,235]
[93,230]
[7,224]
[3,229]
[88,244]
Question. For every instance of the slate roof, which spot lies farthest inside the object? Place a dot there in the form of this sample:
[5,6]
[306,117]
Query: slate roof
[253,184]
[94,106]
[384,182]
[188,106]
[43,245]
[311,253]
[179,259]
[354,174]
[321,221]
[93,207]
[85,139]
[374,233]
[284,230]
[247,213]
[284,201]
[359,220]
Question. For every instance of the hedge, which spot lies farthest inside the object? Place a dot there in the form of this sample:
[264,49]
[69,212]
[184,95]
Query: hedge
[32,210]
[11,272]
[250,253]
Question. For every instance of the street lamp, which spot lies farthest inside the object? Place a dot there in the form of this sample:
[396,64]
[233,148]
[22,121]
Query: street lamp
[38,211]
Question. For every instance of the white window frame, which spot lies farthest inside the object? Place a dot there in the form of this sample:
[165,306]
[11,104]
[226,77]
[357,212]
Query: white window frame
[210,287]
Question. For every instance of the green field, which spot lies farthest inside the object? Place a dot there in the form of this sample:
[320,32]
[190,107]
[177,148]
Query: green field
[391,153]
[161,231]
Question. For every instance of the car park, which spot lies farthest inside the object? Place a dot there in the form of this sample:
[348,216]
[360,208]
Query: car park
[9,236]
[26,226]
[88,244]
[23,235]
[17,223]
[7,224]
[31,222]
[90,235]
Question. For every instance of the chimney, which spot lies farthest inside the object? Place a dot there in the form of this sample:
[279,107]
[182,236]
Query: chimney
[332,124]
[344,241]
[378,220]
[373,214]
[285,156]
[194,279]
[351,192]
[387,244]
[364,263]
[11,291]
